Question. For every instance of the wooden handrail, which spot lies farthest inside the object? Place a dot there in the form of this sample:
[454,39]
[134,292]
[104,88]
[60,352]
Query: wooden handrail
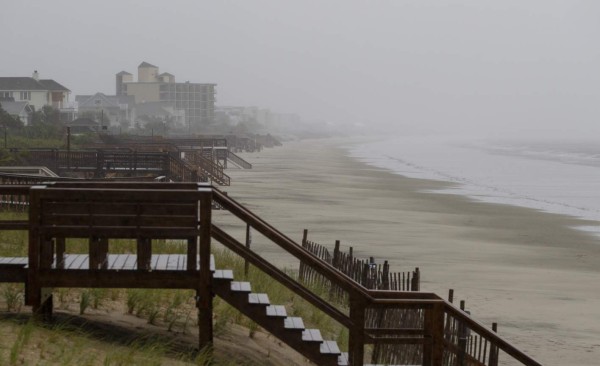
[236,159]
[279,275]
[484,331]
[289,245]
[369,298]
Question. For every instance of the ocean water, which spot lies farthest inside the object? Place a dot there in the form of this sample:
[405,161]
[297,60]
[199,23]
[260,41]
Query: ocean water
[551,175]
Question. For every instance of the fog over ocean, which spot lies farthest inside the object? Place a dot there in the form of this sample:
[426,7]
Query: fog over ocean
[555,176]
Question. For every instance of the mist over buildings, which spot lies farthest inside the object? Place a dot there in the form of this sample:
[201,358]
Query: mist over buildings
[491,67]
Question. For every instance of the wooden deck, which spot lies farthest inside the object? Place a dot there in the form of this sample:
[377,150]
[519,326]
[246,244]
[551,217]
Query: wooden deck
[116,262]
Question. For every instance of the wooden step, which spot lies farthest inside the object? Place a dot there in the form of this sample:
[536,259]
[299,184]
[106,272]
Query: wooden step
[330,347]
[343,359]
[276,311]
[274,319]
[293,323]
[237,286]
[258,299]
[312,335]
[223,274]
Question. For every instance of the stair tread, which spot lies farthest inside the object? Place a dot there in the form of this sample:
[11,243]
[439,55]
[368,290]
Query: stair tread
[330,347]
[254,298]
[343,359]
[241,286]
[293,322]
[312,335]
[225,274]
[276,310]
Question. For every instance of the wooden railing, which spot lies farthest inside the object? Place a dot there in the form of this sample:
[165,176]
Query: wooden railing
[438,329]
[123,161]
[207,166]
[436,343]
[238,160]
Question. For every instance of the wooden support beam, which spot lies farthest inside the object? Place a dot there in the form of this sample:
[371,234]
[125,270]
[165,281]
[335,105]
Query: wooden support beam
[144,254]
[248,244]
[205,292]
[356,341]
[98,249]
[192,254]
[13,273]
[32,290]
[60,252]
[118,279]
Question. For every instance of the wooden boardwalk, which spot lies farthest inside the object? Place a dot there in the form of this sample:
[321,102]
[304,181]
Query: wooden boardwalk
[143,212]
[115,262]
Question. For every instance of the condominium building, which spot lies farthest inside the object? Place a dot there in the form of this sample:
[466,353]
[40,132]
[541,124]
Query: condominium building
[197,100]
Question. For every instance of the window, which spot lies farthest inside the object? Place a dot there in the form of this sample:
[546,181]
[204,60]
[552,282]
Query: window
[6,94]
[25,95]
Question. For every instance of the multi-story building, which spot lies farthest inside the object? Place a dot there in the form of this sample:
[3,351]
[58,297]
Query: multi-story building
[35,91]
[197,100]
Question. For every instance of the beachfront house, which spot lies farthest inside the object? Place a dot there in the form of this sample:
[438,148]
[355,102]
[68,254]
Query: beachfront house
[35,91]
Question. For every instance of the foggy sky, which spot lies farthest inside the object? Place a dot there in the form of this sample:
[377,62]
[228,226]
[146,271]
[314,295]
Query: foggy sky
[486,65]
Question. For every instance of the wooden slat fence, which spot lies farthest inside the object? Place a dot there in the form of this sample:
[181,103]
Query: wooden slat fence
[375,277]
[364,271]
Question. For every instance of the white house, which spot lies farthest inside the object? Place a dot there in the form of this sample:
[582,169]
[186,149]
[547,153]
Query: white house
[37,92]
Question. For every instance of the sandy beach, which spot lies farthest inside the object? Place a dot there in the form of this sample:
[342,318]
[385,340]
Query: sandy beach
[527,270]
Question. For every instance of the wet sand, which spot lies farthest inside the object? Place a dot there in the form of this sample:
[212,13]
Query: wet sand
[527,270]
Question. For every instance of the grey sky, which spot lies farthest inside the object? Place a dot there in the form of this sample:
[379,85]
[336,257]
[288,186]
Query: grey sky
[493,64]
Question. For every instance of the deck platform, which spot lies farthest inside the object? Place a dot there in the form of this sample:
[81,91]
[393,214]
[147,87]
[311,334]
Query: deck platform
[116,262]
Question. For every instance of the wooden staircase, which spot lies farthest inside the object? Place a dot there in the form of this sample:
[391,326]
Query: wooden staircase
[238,160]
[275,320]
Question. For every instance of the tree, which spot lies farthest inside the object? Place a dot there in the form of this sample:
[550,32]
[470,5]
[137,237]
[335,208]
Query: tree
[8,121]
[45,123]
[97,116]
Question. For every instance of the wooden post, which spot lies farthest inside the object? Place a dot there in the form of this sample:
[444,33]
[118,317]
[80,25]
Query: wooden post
[302,268]
[437,333]
[144,254]
[386,276]
[98,248]
[336,254]
[494,351]
[60,252]
[462,339]
[416,280]
[356,341]
[365,274]
[192,254]
[46,253]
[248,243]
[205,306]
[433,351]
[46,260]
[33,294]
[68,148]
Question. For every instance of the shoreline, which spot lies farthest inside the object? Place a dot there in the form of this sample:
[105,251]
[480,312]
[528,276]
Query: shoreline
[530,271]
